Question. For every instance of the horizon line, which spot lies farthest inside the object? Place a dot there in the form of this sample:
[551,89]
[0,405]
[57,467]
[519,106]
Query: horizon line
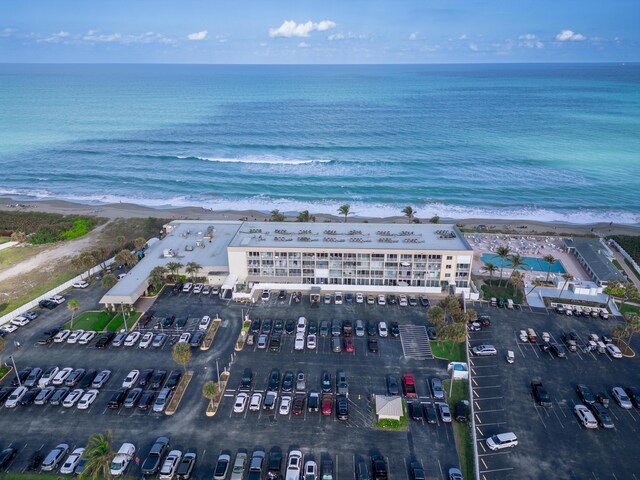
[620,62]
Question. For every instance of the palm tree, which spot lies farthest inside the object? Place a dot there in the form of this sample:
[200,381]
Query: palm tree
[550,259]
[515,279]
[109,281]
[567,278]
[139,243]
[472,315]
[409,212]
[458,334]
[516,261]
[120,240]
[193,267]
[88,261]
[181,354]
[173,267]
[490,268]
[123,257]
[502,252]
[436,315]
[305,217]
[633,325]
[277,216]
[73,306]
[536,284]
[156,276]
[345,210]
[209,390]
[434,219]
[99,455]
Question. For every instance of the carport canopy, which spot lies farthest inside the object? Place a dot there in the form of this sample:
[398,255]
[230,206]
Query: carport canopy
[230,282]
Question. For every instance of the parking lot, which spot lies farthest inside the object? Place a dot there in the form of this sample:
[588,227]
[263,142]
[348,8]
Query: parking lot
[550,439]
[33,428]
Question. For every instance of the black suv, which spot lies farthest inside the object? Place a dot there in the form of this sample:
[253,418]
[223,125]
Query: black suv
[274,380]
[342,408]
[153,462]
[47,304]
[378,467]
[105,339]
[172,381]
[158,379]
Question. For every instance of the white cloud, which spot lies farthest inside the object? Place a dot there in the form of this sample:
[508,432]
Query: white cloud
[570,35]
[473,47]
[289,28]
[413,36]
[463,37]
[263,44]
[197,36]
[345,36]
[93,36]
[429,48]
[539,44]
[7,32]
[527,36]
[221,39]
[529,40]
[303,45]
[54,38]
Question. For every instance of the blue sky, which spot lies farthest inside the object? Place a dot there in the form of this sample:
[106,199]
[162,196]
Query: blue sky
[327,31]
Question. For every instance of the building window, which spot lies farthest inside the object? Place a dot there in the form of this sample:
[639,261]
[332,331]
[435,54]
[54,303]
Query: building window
[448,267]
[449,257]
[447,275]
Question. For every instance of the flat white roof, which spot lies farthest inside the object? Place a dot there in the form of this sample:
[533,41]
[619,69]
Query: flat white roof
[364,236]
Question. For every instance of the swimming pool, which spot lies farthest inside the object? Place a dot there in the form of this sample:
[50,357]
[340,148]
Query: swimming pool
[530,263]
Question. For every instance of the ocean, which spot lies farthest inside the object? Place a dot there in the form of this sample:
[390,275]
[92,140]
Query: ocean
[550,142]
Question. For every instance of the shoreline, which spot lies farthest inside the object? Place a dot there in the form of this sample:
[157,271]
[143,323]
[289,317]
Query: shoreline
[131,210]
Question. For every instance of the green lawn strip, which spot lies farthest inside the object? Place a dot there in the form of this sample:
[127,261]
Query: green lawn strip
[633,269]
[495,288]
[39,289]
[449,351]
[401,425]
[96,321]
[616,264]
[461,430]
[12,256]
[118,321]
[3,370]
[4,240]
[31,476]
[626,308]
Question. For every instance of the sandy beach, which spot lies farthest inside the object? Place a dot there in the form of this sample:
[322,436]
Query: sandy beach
[130,210]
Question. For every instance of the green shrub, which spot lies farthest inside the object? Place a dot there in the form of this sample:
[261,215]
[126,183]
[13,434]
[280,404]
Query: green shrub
[44,235]
[80,227]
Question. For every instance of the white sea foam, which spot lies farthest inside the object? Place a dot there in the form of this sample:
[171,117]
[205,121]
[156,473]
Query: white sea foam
[359,209]
[258,159]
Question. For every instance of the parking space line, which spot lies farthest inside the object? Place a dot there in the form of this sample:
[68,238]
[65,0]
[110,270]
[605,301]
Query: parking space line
[497,470]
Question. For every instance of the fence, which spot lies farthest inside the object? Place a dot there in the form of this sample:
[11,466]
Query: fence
[55,291]
[624,253]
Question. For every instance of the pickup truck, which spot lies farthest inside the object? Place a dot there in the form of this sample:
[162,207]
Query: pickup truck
[540,394]
[409,385]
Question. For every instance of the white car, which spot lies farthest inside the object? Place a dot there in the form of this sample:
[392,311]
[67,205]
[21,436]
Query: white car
[72,397]
[403,301]
[132,339]
[338,298]
[359,298]
[621,397]
[59,299]
[206,290]
[310,470]
[383,331]
[20,321]
[239,466]
[241,402]
[146,340]
[75,336]
[62,336]
[215,290]
[285,405]
[301,326]
[299,342]
[72,461]
[86,337]
[184,338]
[523,336]
[613,350]
[15,397]
[81,284]
[170,465]
[47,376]
[502,440]
[204,323]
[121,276]
[87,399]
[61,376]
[197,288]
[294,465]
[266,295]
[327,298]
[382,300]
[9,328]
[131,379]
[311,341]
[256,401]
[585,416]
[122,459]
[187,287]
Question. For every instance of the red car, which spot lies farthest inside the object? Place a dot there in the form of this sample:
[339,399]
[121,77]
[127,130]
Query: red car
[349,346]
[327,405]
[298,404]
[409,385]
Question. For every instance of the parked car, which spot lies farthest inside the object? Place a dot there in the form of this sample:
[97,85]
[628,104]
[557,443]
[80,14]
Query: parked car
[621,397]
[239,466]
[484,350]
[378,467]
[87,399]
[132,339]
[6,456]
[445,413]
[585,417]
[162,400]
[502,440]
[382,329]
[187,464]
[613,350]
[117,398]
[122,459]
[436,388]
[294,465]
[256,465]
[585,394]
[152,463]
[55,456]
[222,467]
[101,379]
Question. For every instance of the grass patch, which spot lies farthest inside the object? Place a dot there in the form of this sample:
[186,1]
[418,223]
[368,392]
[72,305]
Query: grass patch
[4,240]
[31,476]
[626,308]
[396,425]
[461,431]
[15,255]
[633,269]
[179,393]
[91,321]
[4,370]
[493,288]
[448,350]
[118,321]
[616,263]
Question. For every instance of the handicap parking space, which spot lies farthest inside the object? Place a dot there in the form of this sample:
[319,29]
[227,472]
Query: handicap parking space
[550,439]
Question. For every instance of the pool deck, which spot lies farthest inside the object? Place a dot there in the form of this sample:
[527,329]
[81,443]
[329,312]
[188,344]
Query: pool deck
[527,246]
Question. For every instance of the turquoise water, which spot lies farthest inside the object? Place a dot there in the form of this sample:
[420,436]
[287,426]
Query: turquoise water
[530,263]
[545,142]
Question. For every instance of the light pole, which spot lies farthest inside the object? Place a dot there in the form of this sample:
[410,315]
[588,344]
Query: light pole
[15,369]
[217,370]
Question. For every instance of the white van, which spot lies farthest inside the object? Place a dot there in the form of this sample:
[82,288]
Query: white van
[494,302]
[585,416]
[509,304]
[502,440]
[484,350]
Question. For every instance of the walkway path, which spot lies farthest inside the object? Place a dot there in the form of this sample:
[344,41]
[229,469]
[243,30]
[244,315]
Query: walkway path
[625,267]
[7,245]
